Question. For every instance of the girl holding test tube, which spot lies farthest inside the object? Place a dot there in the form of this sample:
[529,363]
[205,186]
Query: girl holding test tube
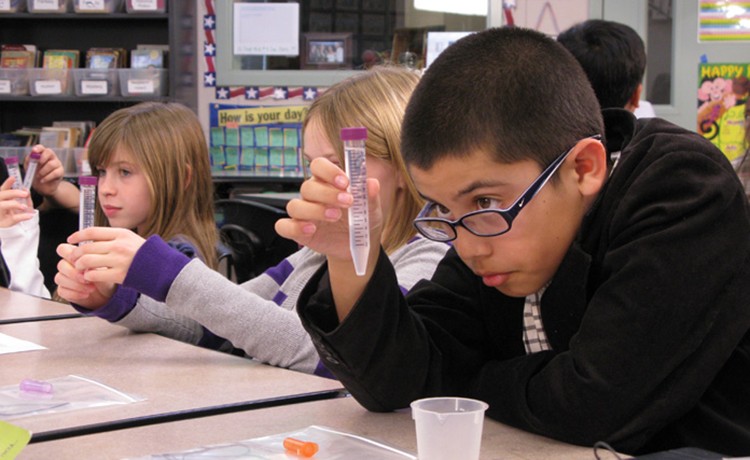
[186,300]
[154,178]
[19,220]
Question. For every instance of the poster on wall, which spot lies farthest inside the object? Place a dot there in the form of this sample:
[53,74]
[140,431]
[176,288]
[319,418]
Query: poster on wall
[722,94]
[723,20]
[256,138]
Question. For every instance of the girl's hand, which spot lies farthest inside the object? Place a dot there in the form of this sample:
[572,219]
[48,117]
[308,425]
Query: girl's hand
[72,285]
[107,255]
[318,219]
[49,171]
[13,210]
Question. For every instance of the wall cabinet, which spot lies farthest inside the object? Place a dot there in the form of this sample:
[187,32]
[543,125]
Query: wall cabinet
[81,31]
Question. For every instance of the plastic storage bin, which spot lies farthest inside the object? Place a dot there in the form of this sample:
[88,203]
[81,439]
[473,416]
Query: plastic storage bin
[146,6]
[12,6]
[143,82]
[14,82]
[97,6]
[50,82]
[95,82]
[48,6]
[72,160]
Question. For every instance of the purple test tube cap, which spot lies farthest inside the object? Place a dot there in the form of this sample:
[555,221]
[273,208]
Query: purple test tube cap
[353,134]
[11,160]
[35,155]
[87,180]
[35,386]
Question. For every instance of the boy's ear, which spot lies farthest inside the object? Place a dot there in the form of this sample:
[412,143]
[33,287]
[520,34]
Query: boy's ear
[590,166]
[635,99]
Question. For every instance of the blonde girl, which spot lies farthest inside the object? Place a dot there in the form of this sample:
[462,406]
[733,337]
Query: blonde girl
[190,302]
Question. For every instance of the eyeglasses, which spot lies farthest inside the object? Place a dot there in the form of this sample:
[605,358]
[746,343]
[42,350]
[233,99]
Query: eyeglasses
[484,222]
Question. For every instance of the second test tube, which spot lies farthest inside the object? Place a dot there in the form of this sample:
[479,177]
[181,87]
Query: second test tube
[87,205]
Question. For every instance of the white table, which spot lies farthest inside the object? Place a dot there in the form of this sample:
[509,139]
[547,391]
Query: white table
[344,414]
[176,379]
[18,307]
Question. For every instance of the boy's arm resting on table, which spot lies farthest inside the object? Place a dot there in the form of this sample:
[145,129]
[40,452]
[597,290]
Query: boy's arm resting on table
[351,349]
[653,334]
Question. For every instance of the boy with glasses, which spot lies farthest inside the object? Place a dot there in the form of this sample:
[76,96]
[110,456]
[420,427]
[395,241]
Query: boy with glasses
[582,303]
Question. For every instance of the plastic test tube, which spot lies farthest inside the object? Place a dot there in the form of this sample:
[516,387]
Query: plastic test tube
[31,171]
[359,217]
[35,386]
[87,203]
[301,448]
[14,171]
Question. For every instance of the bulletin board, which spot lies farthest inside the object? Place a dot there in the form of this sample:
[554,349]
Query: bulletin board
[256,138]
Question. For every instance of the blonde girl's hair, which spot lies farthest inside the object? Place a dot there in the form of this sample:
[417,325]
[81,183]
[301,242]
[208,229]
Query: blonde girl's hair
[166,140]
[375,99]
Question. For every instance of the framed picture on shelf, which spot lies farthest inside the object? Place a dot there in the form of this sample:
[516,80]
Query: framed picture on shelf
[326,51]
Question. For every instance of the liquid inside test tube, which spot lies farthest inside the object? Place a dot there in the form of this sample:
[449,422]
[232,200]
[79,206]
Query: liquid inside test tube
[359,216]
[87,204]
[31,171]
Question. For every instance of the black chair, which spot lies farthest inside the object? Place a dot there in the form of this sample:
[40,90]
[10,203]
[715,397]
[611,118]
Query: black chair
[246,228]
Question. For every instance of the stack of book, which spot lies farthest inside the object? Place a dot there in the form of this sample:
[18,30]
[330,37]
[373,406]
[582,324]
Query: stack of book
[18,56]
[66,134]
[62,134]
[106,58]
[61,59]
[148,57]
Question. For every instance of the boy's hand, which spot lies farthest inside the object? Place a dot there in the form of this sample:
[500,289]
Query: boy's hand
[49,171]
[73,287]
[13,211]
[318,219]
[107,255]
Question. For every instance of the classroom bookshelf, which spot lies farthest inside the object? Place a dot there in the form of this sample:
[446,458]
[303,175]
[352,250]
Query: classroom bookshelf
[171,25]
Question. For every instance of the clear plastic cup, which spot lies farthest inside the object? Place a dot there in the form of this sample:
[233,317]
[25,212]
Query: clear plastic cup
[448,428]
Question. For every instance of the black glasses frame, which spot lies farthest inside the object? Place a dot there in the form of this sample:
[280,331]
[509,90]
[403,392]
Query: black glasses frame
[508,214]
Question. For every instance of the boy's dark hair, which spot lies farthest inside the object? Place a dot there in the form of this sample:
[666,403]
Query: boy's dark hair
[612,55]
[513,93]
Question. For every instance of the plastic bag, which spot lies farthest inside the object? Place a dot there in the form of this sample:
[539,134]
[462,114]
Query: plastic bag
[333,445]
[68,393]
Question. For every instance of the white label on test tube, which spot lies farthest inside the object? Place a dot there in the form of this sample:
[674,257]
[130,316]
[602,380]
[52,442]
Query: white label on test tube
[14,171]
[33,162]
[359,217]
[87,203]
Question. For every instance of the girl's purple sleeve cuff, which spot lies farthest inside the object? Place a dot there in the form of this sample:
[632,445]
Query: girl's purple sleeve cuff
[121,303]
[154,268]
